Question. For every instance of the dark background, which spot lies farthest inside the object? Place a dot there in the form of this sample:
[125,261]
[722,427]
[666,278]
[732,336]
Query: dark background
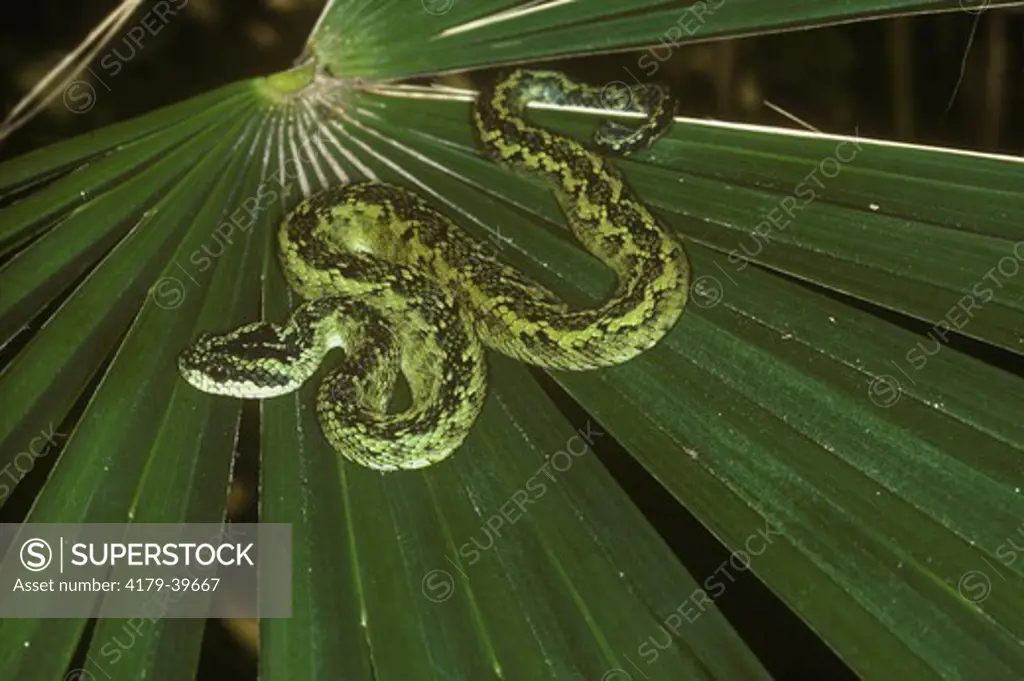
[892,79]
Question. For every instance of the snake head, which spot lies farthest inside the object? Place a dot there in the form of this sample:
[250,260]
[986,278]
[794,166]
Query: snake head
[253,361]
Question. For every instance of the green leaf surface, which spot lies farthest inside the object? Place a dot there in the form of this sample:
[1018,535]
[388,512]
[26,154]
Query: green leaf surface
[556,592]
[540,601]
[380,40]
[873,230]
[197,432]
[907,497]
[42,164]
[162,470]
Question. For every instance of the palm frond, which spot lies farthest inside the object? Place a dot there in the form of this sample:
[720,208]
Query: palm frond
[860,470]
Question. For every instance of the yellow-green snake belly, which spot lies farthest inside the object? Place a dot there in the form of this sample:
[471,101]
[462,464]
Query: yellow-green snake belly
[404,291]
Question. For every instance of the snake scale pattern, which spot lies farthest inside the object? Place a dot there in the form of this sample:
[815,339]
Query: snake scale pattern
[406,293]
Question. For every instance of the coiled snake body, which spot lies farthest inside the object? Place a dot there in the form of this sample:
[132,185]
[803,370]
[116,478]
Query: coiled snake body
[403,290]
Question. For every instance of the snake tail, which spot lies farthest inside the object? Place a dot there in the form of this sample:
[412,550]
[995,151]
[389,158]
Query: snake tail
[604,215]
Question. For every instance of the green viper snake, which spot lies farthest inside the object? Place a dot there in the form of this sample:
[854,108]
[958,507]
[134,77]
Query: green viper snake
[404,291]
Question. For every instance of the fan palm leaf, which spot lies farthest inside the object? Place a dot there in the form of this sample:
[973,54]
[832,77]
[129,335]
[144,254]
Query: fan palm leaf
[869,475]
